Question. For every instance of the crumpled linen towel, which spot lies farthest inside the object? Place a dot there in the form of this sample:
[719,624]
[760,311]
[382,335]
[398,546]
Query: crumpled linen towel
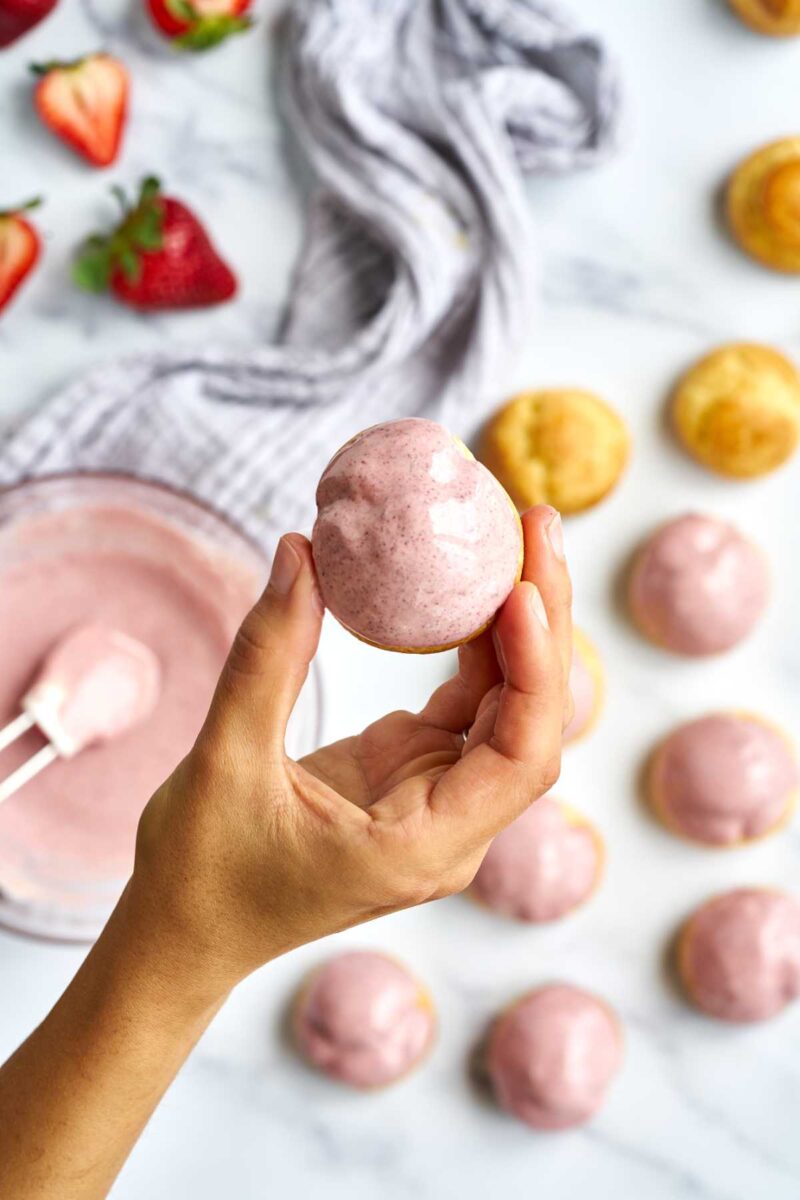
[419,119]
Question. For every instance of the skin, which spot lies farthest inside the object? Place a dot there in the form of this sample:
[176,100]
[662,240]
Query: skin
[243,855]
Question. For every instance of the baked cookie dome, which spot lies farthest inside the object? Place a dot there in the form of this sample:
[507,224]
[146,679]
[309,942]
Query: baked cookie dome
[763,205]
[780,18]
[416,545]
[560,446]
[586,684]
[552,1054]
[723,779]
[738,410]
[542,866]
[698,586]
[363,1019]
[739,954]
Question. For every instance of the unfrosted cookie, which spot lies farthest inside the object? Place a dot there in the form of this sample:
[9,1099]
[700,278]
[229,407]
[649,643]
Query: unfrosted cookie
[698,586]
[416,545]
[542,866]
[552,1055]
[738,410]
[723,779]
[780,18]
[560,446]
[763,205]
[739,954]
[587,685]
[363,1019]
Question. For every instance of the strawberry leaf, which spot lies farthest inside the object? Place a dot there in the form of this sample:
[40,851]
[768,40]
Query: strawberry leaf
[210,31]
[21,208]
[91,271]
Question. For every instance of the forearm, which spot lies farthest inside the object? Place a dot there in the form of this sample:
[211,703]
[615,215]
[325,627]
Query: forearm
[76,1095]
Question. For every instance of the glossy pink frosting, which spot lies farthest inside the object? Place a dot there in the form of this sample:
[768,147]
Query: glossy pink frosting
[540,867]
[416,546]
[740,956]
[364,1020]
[552,1056]
[126,570]
[698,586]
[94,684]
[583,686]
[723,778]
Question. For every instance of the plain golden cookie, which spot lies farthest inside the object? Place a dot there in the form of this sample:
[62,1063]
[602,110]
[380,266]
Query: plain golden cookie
[738,410]
[781,18]
[763,205]
[562,446]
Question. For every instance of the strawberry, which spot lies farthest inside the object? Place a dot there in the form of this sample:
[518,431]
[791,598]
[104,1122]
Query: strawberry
[18,16]
[19,249]
[159,256]
[85,103]
[199,24]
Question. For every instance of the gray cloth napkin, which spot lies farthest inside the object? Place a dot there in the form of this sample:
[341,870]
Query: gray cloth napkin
[419,119]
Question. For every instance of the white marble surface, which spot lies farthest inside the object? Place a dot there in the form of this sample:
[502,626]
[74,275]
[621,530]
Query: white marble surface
[637,279]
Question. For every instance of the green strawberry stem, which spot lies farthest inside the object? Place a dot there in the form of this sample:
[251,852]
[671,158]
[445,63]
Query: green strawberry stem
[21,208]
[139,232]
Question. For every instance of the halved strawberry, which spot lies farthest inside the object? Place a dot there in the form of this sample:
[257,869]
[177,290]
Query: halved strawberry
[200,24]
[20,248]
[18,16]
[159,256]
[85,103]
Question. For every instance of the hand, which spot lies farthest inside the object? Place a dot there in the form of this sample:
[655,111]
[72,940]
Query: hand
[244,854]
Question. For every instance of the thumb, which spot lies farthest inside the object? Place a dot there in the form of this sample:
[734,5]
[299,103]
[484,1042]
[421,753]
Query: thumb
[271,653]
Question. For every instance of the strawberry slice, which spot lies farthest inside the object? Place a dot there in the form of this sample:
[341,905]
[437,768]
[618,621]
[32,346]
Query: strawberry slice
[20,248]
[159,256]
[85,103]
[199,24]
[18,16]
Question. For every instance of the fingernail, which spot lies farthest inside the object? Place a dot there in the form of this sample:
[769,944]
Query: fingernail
[555,535]
[285,568]
[537,604]
[498,649]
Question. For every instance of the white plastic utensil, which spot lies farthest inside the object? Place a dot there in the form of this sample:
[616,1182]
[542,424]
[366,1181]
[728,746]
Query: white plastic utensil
[93,685]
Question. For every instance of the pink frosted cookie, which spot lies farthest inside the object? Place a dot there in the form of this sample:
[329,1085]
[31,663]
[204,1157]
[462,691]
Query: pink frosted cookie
[552,1055]
[739,954]
[724,778]
[587,685]
[698,586]
[363,1019]
[542,866]
[416,544]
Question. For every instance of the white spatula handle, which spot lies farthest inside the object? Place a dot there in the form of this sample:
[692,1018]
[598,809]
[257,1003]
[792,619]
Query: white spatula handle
[36,763]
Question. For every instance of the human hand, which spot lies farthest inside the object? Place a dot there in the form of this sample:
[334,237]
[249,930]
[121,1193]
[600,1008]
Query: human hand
[244,854]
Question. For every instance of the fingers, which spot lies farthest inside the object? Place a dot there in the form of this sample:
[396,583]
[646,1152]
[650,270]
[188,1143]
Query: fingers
[269,659]
[453,705]
[545,565]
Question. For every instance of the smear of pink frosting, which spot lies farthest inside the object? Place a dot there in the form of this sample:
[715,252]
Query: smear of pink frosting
[540,867]
[724,777]
[363,1020]
[741,960]
[415,545]
[552,1056]
[698,586]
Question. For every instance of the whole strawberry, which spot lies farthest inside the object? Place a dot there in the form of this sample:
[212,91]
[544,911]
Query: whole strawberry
[159,256]
[18,16]
[199,24]
[85,103]
[20,247]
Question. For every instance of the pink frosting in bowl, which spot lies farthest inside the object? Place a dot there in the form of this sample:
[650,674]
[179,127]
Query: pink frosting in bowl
[364,1020]
[739,954]
[552,1055]
[724,778]
[416,544]
[541,867]
[698,586]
